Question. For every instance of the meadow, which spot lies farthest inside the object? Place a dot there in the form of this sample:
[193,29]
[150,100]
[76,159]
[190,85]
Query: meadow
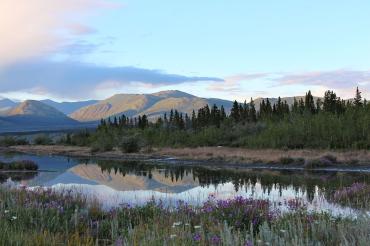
[45,217]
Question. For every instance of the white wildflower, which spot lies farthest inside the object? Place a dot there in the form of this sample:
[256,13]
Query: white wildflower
[197,227]
[172,236]
[176,224]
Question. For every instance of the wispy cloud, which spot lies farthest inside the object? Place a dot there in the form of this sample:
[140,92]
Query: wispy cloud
[342,80]
[336,79]
[35,28]
[233,83]
[81,80]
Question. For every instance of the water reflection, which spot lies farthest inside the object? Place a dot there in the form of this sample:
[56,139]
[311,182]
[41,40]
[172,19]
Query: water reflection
[135,182]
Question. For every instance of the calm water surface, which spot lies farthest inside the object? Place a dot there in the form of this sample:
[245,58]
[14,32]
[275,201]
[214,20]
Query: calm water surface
[114,183]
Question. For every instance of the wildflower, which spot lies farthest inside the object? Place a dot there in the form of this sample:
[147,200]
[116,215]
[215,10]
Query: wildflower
[215,239]
[176,224]
[6,211]
[197,237]
[119,242]
[187,224]
[283,231]
[248,243]
[14,217]
[197,227]
[172,236]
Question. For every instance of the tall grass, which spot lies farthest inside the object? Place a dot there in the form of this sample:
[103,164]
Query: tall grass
[44,217]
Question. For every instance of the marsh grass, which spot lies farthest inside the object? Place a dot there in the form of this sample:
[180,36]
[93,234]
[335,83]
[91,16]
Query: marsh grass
[357,195]
[44,217]
[275,156]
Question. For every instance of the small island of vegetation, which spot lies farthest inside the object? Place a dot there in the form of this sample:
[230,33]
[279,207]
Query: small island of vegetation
[21,165]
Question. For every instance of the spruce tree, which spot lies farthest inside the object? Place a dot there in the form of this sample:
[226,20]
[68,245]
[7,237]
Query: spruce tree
[252,111]
[193,120]
[357,101]
[235,114]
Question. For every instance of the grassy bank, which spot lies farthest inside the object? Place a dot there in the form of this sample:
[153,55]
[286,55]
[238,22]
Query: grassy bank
[307,158]
[43,217]
[273,156]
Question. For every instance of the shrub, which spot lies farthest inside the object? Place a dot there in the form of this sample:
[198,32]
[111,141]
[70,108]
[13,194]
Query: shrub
[324,161]
[7,141]
[330,158]
[19,165]
[286,160]
[22,141]
[42,140]
[130,144]
[102,145]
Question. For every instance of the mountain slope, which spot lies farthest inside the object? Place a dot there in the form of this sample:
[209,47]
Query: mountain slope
[68,107]
[37,109]
[154,105]
[117,181]
[33,115]
[5,105]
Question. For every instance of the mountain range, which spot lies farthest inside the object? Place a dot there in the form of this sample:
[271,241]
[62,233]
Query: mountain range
[32,115]
[153,105]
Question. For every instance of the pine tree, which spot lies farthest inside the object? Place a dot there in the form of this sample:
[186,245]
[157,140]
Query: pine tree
[235,114]
[193,120]
[357,101]
[295,106]
[222,113]
[309,103]
[252,111]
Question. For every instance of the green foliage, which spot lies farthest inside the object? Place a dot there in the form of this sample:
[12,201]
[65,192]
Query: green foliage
[19,165]
[103,142]
[42,139]
[7,141]
[129,144]
[328,124]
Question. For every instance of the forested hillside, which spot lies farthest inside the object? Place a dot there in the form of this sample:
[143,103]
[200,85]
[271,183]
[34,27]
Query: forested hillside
[323,123]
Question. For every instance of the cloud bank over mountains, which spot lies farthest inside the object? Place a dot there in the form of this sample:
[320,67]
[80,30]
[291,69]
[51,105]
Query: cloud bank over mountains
[81,80]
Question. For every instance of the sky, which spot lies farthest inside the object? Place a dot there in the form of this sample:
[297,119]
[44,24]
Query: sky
[70,50]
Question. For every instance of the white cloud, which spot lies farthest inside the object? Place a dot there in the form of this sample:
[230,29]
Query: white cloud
[31,28]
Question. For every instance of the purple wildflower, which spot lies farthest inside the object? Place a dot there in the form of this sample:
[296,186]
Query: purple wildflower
[248,243]
[119,242]
[215,239]
[197,237]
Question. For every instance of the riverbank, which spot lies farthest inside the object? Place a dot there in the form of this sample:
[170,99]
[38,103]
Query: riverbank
[217,156]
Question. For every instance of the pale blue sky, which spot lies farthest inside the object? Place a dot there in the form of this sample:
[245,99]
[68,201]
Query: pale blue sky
[258,48]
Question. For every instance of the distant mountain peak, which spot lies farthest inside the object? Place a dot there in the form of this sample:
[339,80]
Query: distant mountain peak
[172,93]
[5,105]
[35,108]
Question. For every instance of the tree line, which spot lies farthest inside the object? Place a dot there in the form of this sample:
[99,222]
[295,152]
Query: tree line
[325,123]
[241,113]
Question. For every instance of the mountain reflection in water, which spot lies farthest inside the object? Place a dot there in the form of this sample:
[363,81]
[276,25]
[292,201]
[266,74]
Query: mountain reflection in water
[136,182]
